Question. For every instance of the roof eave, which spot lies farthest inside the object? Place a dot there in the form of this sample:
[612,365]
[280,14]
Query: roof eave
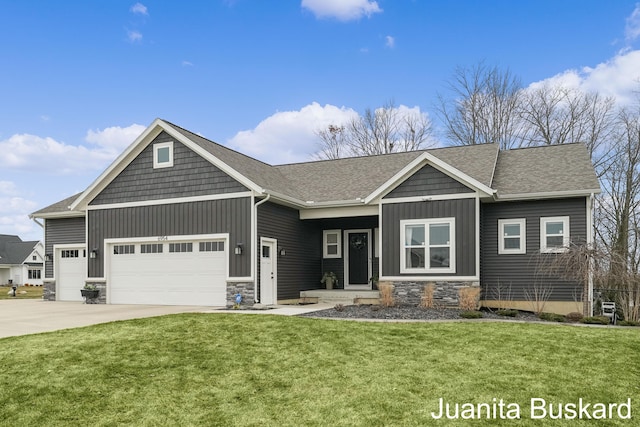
[546,195]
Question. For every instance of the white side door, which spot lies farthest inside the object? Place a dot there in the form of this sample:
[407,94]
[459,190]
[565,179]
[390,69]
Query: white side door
[268,271]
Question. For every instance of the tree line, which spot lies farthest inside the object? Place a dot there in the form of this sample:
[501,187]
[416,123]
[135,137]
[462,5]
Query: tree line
[488,105]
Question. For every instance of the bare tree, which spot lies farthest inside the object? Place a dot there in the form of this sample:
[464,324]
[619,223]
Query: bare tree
[387,129]
[554,114]
[483,107]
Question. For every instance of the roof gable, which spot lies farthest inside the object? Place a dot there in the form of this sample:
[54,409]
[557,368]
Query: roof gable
[13,250]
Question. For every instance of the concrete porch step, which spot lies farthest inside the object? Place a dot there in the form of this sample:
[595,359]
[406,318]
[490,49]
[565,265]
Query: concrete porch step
[341,296]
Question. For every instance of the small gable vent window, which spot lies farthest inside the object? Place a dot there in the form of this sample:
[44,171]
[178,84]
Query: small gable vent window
[163,155]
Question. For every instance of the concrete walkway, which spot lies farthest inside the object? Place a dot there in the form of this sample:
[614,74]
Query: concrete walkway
[32,316]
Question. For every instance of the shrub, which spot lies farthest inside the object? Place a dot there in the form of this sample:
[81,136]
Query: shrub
[628,323]
[427,295]
[471,314]
[339,307]
[552,317]
[468,298]
[386,294]
[574,316]
[508,313]
[596,320]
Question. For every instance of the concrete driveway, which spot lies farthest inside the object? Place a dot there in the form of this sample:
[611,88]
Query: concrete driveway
[22,317]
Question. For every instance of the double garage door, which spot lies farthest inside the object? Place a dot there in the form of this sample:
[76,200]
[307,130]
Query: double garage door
[190,272]
[168,273]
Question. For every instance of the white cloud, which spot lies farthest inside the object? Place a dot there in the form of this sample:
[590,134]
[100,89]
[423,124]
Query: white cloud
[289,136]
[632,27]
[134,36]
[618,77]
[343,10]
[187,64]
[140,9]
[390,42]
[27,152]
[14,213]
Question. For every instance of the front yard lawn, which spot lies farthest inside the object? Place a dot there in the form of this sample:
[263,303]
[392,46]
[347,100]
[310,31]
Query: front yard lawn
[231,369]
[32,292]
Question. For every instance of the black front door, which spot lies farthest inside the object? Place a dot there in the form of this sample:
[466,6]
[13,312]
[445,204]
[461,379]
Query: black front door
[358,252]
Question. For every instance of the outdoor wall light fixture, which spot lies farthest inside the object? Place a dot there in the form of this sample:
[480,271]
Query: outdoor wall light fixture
[282,252]
[48,257]
[94,253]
[238,249]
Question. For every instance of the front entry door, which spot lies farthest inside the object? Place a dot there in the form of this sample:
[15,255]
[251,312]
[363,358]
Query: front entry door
[268,271]
[357,266]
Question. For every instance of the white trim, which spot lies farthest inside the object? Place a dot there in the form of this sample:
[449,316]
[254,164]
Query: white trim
[590,239]
[547,195]
[161,239]
[419,162]
[430,278]
[427,198]
[427,222]
[477,225]
[96,279]
[338,212]
[566,233]
[345,243]
[338,243]
[158,146]
[376,237]
[57,215]
[176,200]
[239,279]
[255,251]
[273,245]
[522,222]
[379,242]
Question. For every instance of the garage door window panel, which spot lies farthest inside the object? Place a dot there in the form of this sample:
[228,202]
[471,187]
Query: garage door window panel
[180,247]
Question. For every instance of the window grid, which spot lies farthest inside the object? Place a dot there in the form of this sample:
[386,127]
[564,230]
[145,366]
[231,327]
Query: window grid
[124,249]
[151,248]
[211,246]
[180,247]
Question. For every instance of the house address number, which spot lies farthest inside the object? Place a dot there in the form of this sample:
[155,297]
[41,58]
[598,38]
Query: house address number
[162,238]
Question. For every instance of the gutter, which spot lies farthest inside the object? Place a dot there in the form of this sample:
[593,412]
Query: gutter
[254,257]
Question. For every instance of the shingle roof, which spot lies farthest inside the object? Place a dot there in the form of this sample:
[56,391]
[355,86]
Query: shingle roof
[58,207]
[546,169]
[13,250]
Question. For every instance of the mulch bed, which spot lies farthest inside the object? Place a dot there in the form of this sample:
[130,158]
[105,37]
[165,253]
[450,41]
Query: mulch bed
[408,313]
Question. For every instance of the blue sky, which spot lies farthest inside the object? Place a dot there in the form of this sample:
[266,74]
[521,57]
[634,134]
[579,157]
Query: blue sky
[79,80]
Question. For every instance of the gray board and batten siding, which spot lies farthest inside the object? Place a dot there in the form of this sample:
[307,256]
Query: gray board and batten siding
[428,181]
[61,231]
[511,274]
[299,268]
[231,216]
[190,175]
[464,212]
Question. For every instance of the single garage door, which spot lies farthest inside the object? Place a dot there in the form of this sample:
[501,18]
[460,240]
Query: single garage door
[168,273]
[71,273]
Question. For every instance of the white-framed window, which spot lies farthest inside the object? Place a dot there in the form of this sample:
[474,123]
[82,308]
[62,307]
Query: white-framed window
[151,248]
[163,155]
[554,234]
[211,246]
[35,274]
[512,236]
[124,249]
[331,244]
[180,247]
[70,253]
[428,245]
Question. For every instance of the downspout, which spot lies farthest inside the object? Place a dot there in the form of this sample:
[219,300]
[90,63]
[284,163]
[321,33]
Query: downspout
[254,257]
[591,244]
[36,221]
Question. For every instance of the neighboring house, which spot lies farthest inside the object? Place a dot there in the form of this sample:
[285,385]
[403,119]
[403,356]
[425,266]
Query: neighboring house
[20,262]
[178,219]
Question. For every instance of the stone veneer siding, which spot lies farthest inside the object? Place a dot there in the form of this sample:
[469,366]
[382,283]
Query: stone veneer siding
[244,289]
[445,293]
[49,290]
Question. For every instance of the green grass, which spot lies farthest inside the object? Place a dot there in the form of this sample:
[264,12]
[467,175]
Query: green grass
[230,369]
[32,292]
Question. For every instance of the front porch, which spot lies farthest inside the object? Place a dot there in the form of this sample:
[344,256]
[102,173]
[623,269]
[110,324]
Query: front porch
[340,296]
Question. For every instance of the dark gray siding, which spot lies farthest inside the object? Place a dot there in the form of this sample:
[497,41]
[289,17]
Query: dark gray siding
[463,210]
[191,175]
[299,269]
[428,181]
[514,273]
[231,216]
[61,231]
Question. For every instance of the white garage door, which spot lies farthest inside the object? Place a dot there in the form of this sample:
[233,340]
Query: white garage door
[168,273]
[71,273]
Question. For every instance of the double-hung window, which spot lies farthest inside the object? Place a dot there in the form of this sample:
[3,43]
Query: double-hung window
[554,234]
[331,243]
[427,245]
[512,236]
